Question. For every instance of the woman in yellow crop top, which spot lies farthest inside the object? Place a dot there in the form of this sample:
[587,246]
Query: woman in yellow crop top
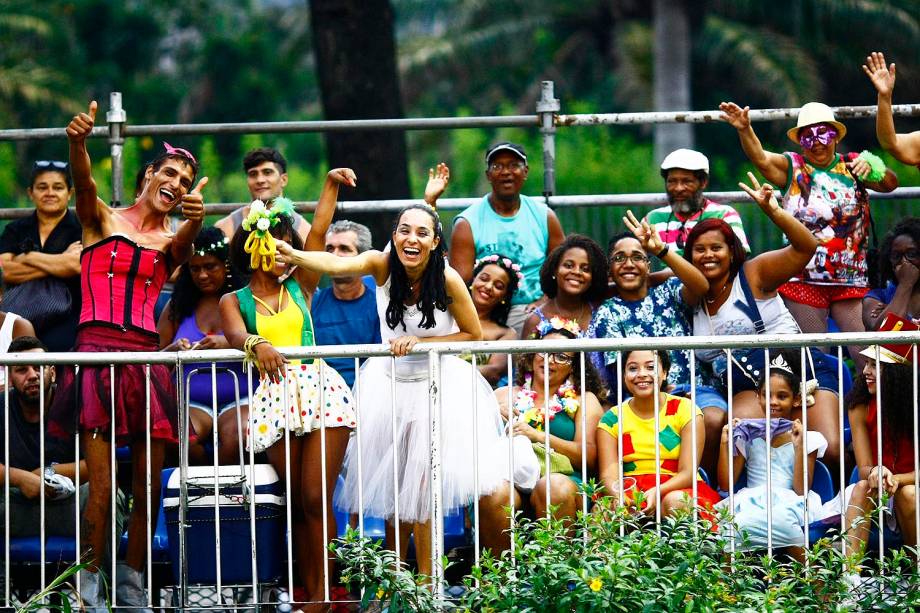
[273,310]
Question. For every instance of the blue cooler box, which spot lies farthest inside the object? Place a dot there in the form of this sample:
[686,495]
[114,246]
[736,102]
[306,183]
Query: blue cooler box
[234,498]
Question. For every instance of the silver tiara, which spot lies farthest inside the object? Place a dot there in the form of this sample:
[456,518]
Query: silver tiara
[780,363]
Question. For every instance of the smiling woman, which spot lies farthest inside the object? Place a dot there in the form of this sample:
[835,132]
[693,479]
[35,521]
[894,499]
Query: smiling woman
[574,279]
[418,297]
[40,255]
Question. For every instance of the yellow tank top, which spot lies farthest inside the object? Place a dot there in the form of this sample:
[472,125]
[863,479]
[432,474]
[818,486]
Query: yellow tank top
[282,328]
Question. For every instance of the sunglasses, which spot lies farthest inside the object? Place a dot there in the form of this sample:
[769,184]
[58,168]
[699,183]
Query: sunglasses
[179,151]
[812,135]
[562,359]
[56,165]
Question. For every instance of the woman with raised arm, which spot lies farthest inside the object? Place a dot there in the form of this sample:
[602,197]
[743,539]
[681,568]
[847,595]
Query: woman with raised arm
[419,297]
[827,191]
[274,310]
[904,147]
[743,299]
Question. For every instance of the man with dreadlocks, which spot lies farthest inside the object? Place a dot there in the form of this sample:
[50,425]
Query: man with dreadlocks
[128,254]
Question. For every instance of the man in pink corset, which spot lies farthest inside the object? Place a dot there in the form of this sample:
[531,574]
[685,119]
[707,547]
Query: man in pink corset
[127,256]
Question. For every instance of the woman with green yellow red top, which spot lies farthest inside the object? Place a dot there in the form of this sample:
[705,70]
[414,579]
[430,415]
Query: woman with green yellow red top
[645,376]
[560,373]
[273,310]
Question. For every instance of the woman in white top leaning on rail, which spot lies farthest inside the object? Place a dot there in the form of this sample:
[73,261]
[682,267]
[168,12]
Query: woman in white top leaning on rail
[743,299]
[419,297]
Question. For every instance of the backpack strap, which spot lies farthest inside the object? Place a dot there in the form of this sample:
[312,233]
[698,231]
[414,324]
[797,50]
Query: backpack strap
[749,304]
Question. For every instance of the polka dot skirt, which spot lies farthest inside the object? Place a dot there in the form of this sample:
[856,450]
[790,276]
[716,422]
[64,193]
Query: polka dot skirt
[296,404]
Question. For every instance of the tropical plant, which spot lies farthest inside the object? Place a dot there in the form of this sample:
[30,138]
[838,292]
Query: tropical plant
[613,560]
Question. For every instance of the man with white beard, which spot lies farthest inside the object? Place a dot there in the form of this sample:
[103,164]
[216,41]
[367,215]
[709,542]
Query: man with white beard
[686,175]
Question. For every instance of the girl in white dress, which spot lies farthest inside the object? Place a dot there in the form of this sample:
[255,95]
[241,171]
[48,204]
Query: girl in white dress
[418,297]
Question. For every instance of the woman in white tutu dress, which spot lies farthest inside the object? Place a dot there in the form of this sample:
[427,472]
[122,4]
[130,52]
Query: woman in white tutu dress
[419,297]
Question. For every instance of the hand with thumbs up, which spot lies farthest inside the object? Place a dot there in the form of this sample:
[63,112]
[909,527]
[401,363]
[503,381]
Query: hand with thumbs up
[193,202]
[81,125]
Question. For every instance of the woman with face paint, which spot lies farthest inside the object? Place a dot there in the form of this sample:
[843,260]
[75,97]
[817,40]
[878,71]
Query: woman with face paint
[826,191]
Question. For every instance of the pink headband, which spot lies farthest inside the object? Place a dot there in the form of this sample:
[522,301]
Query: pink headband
[179,151]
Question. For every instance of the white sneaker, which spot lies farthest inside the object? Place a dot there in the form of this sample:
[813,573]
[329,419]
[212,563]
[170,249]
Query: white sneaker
[129,588]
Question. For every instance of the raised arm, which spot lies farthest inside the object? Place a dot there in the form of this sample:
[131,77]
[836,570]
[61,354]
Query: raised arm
[462,252]
[193,210]
[368,263]
[695,284]
[904,147]
[769,270]
[322,219]
[438,178]
[91,211]
[773,166]
[725,449]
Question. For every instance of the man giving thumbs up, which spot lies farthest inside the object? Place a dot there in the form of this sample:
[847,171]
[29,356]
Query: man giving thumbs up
[127,256]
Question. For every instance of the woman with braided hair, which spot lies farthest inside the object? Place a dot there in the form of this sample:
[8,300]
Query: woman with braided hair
[419,298]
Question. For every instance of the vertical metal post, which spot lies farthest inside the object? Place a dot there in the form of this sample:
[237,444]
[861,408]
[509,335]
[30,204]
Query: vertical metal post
[437,516]
[547,107]
[183,485]
[115,117]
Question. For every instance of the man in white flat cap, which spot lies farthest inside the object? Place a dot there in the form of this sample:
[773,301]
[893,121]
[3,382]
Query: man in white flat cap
[686,175]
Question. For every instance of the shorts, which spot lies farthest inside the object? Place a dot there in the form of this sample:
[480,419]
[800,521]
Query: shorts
[706,396]
[706,497]
[748,365]
[209,408]
[820,296]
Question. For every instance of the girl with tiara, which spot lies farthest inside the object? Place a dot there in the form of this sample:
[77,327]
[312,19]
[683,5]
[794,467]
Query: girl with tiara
[418,298]
[273,310]
[788,452]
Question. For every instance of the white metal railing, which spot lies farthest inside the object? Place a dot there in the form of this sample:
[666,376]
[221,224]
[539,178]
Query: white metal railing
[246,469]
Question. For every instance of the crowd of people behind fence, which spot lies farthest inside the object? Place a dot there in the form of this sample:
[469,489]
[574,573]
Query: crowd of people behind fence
[129,279]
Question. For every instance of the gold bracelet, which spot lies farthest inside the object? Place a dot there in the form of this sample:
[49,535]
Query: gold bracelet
[249,348]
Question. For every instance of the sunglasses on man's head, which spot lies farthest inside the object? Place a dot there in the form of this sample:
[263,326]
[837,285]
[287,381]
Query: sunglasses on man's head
[56,165]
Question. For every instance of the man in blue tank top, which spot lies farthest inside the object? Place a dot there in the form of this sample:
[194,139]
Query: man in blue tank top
[508,223]
[346,312]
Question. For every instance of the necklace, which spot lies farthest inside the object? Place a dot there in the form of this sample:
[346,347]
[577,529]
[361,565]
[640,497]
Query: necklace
[721,291]
[565,399]
[577,315]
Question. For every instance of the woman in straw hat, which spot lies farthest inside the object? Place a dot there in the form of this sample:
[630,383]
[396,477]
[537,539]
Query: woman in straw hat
[827,192]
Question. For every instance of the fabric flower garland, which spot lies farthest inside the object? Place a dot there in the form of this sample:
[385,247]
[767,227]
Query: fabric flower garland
[260,244]
[564,400]
[557,323]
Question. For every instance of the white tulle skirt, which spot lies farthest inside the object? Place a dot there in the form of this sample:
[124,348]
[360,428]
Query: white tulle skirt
[412,449]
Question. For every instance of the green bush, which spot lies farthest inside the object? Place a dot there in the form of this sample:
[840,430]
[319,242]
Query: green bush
[610,560]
